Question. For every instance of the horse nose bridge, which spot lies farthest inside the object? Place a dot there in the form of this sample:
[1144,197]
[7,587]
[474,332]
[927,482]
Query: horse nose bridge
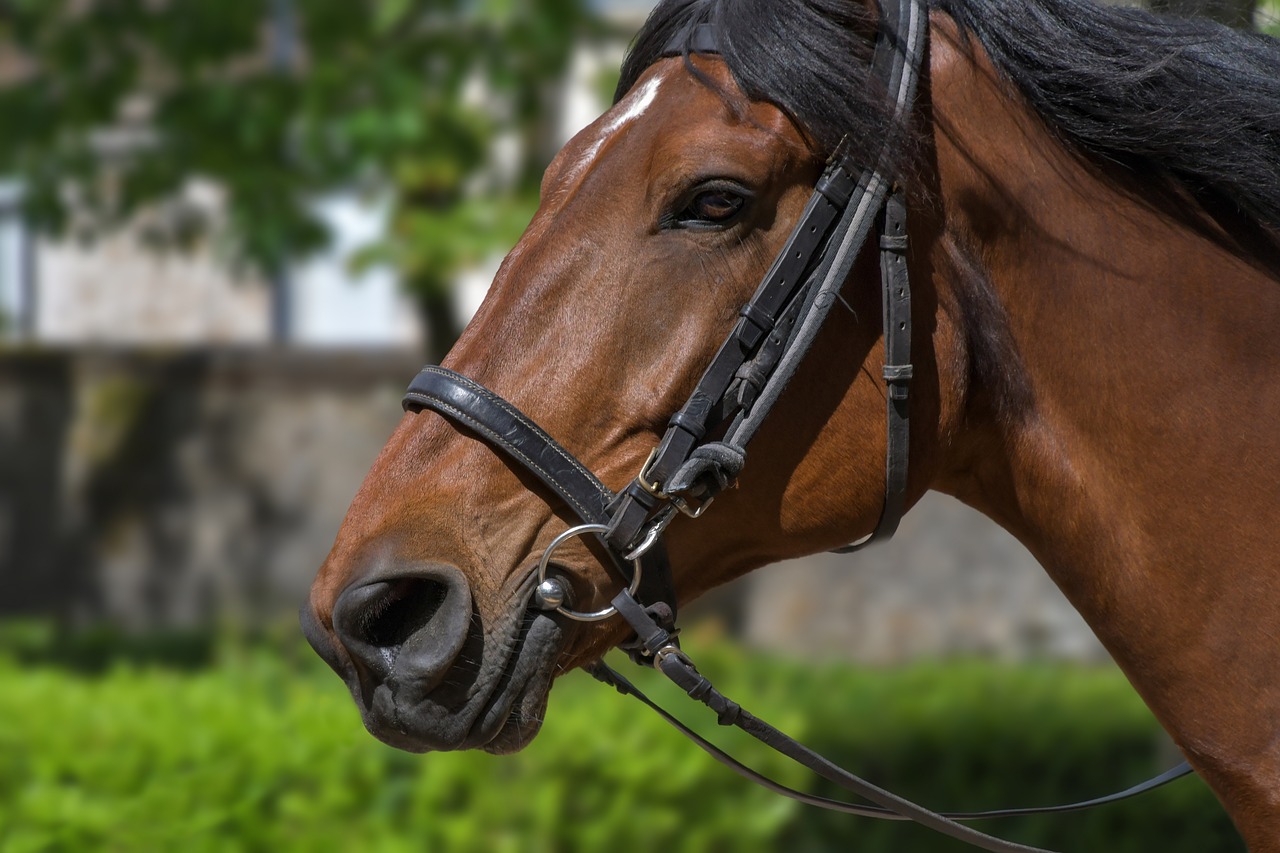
[413,505]
[406,623]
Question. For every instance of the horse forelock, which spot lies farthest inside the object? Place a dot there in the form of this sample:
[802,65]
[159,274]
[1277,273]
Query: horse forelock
[809,58]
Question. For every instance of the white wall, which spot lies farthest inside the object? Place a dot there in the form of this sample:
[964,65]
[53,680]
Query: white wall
[115,291]
[334,306]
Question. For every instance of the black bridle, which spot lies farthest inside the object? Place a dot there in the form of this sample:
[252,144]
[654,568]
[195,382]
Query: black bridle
[739,388]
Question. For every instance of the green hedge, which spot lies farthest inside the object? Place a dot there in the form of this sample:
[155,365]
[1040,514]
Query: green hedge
[262,750]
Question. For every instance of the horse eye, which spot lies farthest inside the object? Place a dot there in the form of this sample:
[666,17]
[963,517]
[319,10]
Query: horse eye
[712,207]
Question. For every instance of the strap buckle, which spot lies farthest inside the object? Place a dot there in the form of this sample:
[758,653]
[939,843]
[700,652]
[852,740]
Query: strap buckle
[655,488]
[674,651]
[642,478]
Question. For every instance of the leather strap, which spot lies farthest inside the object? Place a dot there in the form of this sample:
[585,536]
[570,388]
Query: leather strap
[676,665]
[897,362]
[896,315]
[761,322]
[699,38]
[781,321]
[504,427]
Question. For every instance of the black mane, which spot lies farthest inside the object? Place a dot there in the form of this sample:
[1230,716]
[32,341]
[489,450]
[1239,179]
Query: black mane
[1189,103]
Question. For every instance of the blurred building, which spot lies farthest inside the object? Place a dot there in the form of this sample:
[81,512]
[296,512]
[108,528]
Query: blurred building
[121,291]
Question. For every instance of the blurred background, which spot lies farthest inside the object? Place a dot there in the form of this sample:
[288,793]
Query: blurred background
[230,233]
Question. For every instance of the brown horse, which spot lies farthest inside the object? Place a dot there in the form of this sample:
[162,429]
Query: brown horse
[1094,201]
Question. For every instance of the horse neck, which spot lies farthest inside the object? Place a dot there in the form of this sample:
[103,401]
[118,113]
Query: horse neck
[1116,408]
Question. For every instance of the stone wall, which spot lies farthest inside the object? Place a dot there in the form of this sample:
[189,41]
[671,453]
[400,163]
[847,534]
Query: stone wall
[185,488]
[175,489]
[950,581]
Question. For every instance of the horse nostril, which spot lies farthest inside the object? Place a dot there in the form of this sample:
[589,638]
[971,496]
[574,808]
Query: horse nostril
[411,625]
[397,609]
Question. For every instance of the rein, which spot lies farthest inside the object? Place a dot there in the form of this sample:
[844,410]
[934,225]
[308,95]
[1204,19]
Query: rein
[686,471]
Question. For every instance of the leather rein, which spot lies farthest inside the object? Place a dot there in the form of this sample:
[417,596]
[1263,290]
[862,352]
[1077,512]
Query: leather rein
[687,470]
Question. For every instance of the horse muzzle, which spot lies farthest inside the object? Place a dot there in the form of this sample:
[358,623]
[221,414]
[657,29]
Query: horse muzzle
[425,674]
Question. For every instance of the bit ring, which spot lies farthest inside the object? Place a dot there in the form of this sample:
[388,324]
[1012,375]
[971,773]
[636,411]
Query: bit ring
[543,580]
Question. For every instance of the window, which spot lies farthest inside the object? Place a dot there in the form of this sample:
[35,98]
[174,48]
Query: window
[16,287]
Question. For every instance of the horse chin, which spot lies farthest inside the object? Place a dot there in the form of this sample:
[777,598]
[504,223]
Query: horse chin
[522,724]
[501,720]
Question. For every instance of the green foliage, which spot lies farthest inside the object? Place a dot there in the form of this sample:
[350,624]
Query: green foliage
[264,751]
[428,242]
[258,755]
[1268,17]
[209,89]
[970,736]
[95,651]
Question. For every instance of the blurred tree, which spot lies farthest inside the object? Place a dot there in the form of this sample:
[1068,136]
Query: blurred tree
[112,107]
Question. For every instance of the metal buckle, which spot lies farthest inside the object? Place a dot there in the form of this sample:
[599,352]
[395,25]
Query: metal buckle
[655,530]
[695,512]
[543,580]
[654,489]
[672,650]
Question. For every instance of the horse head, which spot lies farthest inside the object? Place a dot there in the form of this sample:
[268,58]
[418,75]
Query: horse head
[656,224]
[1094,262]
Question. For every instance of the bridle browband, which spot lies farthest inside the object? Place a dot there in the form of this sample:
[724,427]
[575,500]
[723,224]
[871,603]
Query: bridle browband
[736,392]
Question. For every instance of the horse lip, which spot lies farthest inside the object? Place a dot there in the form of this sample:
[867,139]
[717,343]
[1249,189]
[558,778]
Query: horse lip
[527,669]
